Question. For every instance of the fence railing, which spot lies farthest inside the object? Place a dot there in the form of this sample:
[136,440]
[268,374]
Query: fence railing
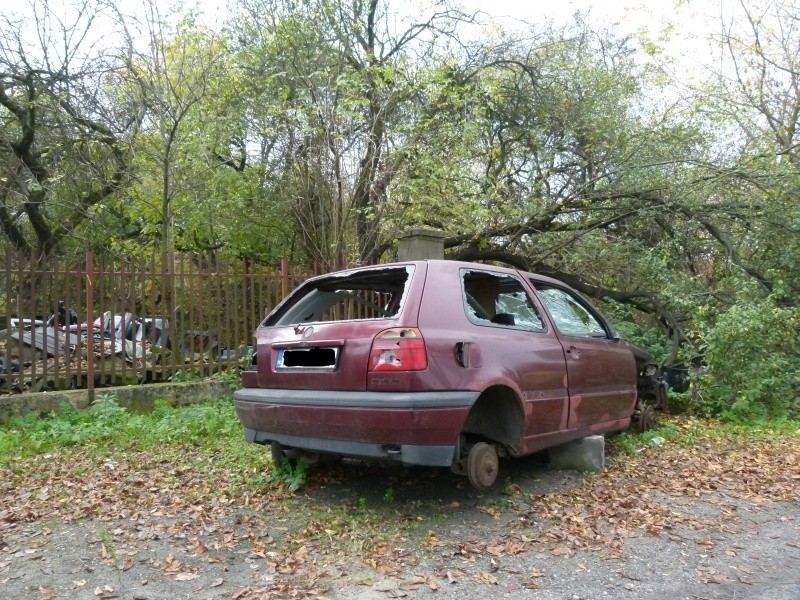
[101,323]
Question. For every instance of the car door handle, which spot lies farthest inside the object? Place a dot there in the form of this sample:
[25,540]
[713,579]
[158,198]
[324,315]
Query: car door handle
[574,352]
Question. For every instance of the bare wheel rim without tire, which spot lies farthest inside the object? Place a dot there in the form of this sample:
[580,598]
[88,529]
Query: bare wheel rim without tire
[647,420]
[482,465]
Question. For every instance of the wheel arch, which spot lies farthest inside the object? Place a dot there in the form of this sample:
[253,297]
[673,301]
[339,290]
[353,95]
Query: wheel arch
[497,416]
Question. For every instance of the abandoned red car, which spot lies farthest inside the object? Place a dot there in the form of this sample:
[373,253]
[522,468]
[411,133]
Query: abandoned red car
[437,363]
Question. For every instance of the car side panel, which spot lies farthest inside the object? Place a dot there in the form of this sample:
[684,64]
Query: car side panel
[530,363]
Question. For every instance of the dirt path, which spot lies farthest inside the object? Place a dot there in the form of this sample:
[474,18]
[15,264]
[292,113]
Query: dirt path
[671,522]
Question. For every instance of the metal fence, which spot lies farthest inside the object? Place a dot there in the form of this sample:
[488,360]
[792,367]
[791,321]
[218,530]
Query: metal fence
[103,323]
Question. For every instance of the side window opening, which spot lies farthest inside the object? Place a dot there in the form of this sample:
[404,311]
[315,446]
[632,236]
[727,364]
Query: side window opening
[499,300]
[569,313]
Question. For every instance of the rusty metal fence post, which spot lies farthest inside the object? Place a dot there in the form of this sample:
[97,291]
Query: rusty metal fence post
[90,325]
[284,276]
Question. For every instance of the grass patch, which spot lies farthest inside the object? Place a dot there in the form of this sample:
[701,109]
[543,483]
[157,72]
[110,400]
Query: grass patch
[108,426]
[198,448]
[689,431]
[206,439]
[191,465]
[292,473]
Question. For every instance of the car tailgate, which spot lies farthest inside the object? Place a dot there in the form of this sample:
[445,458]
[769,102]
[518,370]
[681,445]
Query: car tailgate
[330,356]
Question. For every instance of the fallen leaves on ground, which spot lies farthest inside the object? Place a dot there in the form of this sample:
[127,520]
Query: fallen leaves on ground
[206,509]
[644,494]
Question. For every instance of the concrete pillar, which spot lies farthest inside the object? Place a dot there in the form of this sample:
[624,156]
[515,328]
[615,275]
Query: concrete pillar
[420,243]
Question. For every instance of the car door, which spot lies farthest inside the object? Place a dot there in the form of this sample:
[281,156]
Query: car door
[517,345]
[601,370]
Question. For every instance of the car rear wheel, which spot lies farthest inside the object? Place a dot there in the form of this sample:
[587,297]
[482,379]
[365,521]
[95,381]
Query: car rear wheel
[482,465]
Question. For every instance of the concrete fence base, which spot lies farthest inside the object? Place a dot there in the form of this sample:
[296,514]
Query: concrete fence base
[136,398]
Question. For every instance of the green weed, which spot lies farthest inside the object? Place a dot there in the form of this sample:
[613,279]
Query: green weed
[108,425]
[186,375]
[687,432]
[108,544]
[292,473]
[630,442]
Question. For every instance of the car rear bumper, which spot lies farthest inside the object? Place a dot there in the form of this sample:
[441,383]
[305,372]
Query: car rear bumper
[420,428]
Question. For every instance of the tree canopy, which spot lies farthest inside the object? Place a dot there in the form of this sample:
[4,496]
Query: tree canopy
[320,130]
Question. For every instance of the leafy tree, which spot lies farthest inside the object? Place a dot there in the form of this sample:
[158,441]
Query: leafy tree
[63,148]
[752,361]
[571,176]
[335,88]
[168,80]
[751,350]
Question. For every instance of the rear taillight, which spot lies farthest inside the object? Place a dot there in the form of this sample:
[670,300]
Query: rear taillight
[398,349]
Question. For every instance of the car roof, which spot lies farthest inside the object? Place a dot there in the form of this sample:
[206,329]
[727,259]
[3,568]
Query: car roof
[457,264]
[439,263]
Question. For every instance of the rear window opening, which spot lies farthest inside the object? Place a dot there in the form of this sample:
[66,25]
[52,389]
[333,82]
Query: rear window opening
[360,295]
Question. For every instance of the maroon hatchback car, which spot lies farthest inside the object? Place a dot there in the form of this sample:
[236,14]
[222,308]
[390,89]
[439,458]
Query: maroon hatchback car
[437,363]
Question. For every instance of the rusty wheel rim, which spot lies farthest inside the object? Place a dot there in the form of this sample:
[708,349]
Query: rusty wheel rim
[647,420]
[482,465]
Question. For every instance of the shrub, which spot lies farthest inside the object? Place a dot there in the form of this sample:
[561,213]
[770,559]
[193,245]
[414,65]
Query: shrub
[752,360]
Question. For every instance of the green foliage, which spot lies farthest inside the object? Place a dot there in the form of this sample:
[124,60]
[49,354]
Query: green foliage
[690,431]
[752,359]
[631,442]
[291,473]
[107,411]
[108,424]
[231,376]
[196,423]
[67,427]
[108,543]
[642,330]
[186,375]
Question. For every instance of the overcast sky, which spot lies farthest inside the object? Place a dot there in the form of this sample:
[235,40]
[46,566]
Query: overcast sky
[630,13]
[693,19]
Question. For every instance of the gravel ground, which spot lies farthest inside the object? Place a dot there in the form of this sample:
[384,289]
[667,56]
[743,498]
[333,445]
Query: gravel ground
[433,537]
